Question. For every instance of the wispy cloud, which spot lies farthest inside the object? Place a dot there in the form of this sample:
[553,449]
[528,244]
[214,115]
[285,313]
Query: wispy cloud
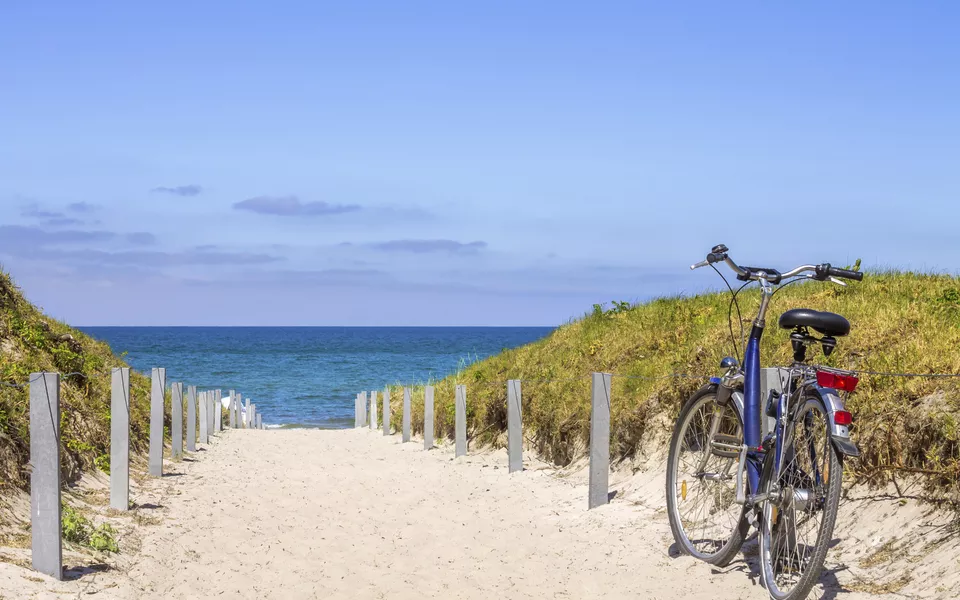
[180,190]
[33,210]
[82,207]
[429,246]
[291,206]
[36,244]
[55,218]
[62,222]
[141,238]
[18,235]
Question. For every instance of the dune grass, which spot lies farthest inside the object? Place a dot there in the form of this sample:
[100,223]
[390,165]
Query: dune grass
[901,322]
[32,342]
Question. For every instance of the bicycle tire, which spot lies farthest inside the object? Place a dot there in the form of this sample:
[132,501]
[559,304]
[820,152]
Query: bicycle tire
[727,547]
[778,520]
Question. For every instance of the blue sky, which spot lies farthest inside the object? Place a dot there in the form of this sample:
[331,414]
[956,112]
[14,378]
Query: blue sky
[500,163]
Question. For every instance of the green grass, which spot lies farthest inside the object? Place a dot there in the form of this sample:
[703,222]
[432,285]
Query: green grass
[32,342]
[78,529]
[904,322]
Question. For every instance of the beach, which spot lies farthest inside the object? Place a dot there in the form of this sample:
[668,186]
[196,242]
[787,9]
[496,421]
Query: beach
[352,514]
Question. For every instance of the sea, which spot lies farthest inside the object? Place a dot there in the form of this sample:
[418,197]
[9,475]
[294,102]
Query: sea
[308,376]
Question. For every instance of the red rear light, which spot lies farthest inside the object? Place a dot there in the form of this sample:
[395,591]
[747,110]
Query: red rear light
[837,381]
[842,417]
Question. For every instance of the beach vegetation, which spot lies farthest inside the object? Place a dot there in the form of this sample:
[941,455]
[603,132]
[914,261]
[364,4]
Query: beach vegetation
[661,351]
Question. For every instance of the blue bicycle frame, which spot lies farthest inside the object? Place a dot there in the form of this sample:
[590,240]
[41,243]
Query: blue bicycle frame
[752,409]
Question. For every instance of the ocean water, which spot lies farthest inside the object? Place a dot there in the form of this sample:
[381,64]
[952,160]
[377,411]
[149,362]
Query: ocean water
[308,376]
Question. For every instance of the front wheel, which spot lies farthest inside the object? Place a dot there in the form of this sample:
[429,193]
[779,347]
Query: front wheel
[796,526]
[701,479]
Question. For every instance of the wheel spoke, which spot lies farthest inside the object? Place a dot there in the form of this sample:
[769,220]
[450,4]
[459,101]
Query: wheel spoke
[707,514]
[791,546]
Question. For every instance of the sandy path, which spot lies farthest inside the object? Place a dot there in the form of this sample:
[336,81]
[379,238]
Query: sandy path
[350,514]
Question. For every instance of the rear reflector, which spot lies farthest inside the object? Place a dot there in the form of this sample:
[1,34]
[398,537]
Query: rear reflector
[842,417]
[837,381]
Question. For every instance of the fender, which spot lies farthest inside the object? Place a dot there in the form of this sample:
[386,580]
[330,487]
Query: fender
[735,394]
[839,434]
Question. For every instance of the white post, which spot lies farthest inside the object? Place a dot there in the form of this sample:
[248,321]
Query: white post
[176,421]
[461,420]
[120,438]
[599,440]
[211,398]
[47,544]
[192,418]
[373,410]
[158,386]
[406,414]
[363,409]
[204,417]
[428,420]
[386,411]
[514,426]
[218,411]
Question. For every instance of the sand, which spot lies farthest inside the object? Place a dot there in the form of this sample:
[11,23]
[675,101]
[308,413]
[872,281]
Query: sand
[351,514]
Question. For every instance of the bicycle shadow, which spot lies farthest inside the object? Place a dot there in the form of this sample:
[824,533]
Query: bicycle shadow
[748,563]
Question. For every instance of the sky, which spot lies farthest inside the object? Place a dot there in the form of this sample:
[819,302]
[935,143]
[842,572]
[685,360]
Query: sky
[453,163]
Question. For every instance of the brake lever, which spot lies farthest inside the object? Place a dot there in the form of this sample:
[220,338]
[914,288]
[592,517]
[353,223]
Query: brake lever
[702,263]
[837,281]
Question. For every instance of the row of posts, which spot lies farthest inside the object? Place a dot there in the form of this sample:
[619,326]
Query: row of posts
[45,507]
[366,413]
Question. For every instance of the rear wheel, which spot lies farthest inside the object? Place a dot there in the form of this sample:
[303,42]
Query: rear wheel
[701,479]
[796,527]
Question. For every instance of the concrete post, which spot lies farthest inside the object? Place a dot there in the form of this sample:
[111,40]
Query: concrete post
[47,545]
[158,386]
[253,416]
[239,411]
[191,418]
[514,426]
[599,440]
[363,409]
[356,411]
[428,419]
[217,411]
[461,420]
[211,398]
[204,417]
[406,414]
[259,421]
[246,417]
[232,415]
[176,421]
[120,438]
[373,410]
[773,378]
[386,411]
[211,419]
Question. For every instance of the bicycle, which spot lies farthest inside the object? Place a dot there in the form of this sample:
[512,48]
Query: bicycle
[724,474]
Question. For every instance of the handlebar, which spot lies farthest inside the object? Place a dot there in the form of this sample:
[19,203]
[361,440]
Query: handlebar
[821,272]
[844,273]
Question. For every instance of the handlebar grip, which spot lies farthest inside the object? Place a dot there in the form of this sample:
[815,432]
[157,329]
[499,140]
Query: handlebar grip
[715,257]
[845,273]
